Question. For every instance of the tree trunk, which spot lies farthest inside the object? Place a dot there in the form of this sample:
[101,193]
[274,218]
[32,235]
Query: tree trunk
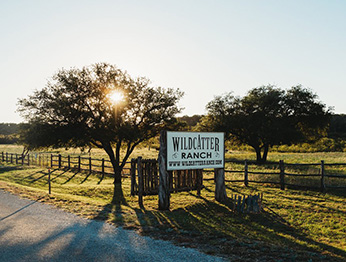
[259,157]
[258,154]
[115,163]
[118,196]
[265,153]
[117,174]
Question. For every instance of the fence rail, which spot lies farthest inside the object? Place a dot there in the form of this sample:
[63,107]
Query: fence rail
[281,175]
[284,171]
[77,163]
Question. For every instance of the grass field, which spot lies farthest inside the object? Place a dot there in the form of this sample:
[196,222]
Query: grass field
[296,225]
[328,157]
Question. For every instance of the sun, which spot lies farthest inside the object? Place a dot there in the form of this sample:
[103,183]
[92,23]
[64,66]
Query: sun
[116,97]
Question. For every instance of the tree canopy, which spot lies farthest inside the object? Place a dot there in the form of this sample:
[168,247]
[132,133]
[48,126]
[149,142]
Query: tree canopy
[268,116]
[75,109]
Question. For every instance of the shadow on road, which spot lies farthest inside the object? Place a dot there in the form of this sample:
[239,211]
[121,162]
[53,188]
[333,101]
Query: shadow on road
[48,234]
[19,210]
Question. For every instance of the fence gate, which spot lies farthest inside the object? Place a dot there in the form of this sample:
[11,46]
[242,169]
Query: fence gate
[145,178]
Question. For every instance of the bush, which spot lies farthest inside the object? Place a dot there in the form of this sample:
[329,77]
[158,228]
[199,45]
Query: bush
[324,144]
[8,139]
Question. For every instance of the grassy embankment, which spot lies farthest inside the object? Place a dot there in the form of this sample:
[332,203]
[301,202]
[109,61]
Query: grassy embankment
[296,225]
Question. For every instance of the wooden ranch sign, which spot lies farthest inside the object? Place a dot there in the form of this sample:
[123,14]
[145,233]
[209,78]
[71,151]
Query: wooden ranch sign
[195,150]
[190,150]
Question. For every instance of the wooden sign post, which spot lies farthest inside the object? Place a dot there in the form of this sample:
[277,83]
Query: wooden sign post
[164,186]
[220,187]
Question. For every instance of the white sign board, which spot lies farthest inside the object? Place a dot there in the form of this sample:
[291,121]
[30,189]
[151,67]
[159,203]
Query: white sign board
[195,150]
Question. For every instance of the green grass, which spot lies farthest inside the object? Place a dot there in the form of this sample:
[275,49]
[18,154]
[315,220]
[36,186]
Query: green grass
[328,157]
[94,153]
[296,225]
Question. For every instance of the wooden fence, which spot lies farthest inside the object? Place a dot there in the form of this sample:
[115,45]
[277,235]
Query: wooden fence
[145,172]
[310,176]
[320,176]
[77,163]
[247,204]
[29,159]
[145,179]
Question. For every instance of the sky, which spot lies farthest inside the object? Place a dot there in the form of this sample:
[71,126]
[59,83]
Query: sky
[205,48]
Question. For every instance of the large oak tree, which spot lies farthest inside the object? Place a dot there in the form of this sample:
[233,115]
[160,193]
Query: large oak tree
[75,109]
[268,116]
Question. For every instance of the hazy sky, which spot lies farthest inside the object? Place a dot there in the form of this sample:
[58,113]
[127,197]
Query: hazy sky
[204,48]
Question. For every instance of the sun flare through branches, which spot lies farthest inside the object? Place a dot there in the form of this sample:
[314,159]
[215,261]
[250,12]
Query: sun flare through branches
[116,97]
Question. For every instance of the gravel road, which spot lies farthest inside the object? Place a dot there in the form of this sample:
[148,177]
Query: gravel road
[31,231]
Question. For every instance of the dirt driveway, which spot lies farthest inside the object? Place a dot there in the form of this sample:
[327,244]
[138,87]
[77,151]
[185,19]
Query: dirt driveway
[31,231]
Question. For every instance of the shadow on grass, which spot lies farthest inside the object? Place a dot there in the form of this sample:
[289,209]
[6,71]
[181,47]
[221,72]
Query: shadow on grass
[86,177]
[44,175]
[32,174]
[4,169]
[70,178]
[319,205]
[215,226]
[113,211]
[61,174]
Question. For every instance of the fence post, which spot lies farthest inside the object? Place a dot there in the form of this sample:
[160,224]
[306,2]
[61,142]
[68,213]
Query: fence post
[140,182]
[323,185]
[28,159]
[282,174]
[16,159]
[59,156]
[90,166]
[68,162]
[199,177]
[133,176]
[11,158]
[6,157]
[78,163]
[2,156]
[246,174]
[49,183]
[103,168]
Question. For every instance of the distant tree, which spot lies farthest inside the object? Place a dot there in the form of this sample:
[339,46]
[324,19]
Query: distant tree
[190,121]
[8,128]
[337,129]
[78,108]
[8,133]
[8,139]
[268,116]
